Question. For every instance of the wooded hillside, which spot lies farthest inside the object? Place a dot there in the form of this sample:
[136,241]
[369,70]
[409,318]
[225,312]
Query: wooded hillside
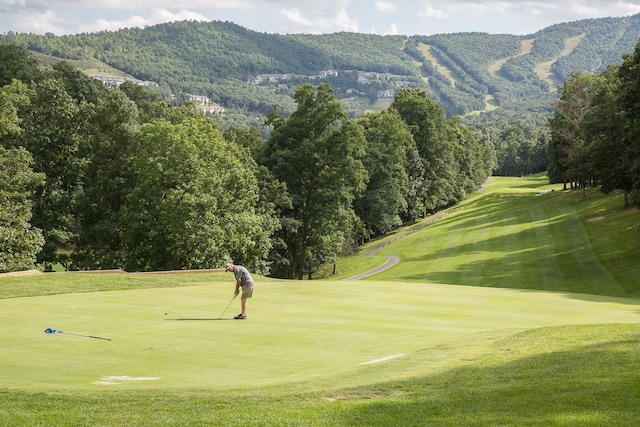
[247,72]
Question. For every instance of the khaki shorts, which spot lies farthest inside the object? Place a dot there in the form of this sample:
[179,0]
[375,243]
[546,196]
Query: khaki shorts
[247,292]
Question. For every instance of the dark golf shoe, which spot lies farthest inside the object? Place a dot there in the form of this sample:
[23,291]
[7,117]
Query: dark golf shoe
[241,316]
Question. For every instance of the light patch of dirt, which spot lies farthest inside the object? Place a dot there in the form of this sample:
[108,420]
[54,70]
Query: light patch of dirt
[382,359]
[115,380]
[20,273]
[596,218]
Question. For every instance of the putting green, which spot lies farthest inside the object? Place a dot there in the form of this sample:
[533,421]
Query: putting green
[296,331]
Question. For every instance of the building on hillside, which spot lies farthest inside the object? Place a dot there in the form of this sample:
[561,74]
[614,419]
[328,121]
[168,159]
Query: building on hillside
[199,99]
[211,108]
[115,81]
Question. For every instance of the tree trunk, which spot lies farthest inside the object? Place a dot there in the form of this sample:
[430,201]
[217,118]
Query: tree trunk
[303,254]
[626,199]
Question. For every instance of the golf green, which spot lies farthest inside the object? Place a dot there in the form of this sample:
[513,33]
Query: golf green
[295,332]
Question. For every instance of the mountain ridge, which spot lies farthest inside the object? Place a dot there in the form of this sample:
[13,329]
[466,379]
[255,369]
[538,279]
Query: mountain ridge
[464,72]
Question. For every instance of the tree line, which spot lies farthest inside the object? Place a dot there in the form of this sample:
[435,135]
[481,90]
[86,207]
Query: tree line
[595,133]
[99,178]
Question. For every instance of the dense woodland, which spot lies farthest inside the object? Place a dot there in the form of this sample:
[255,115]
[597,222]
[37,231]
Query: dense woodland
[106,178]
[502,85]
[304,166]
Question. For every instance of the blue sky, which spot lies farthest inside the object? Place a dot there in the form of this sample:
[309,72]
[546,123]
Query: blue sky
[404,17]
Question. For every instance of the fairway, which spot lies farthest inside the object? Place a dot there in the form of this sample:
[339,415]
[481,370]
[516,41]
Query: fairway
[525,236]
[296,332]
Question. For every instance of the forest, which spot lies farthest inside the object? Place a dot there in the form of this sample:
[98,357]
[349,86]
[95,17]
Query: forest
[300,169]
[102,178]
[501,85]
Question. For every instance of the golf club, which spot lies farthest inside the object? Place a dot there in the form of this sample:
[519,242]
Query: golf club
[58,331]
[225,310]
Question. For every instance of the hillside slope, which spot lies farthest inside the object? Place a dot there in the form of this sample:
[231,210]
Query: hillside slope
[248,71]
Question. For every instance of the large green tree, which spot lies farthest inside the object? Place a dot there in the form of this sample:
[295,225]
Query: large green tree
[194,201]
[385,199]
[53,125]
[474,158]
[607,129]
[107,182]
[17,63]
[569,147]
[20,242]
[630,106]
[317,153]
[428,124]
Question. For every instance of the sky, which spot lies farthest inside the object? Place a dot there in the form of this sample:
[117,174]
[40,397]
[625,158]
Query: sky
[383,17]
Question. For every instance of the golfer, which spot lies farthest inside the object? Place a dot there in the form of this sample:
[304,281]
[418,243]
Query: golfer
[244,280]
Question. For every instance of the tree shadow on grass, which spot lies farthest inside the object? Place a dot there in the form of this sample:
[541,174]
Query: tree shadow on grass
[592,385]
[531,246]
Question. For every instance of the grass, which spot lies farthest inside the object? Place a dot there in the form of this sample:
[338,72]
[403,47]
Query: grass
[527,237]
[404,349]
[89,66]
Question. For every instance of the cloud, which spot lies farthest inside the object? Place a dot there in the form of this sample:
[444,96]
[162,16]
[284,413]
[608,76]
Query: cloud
[157,16]
[392,31]
[162,4]
[429,11]
[39,22]
[295,17]
[320,22]
[386,7]
[311,16]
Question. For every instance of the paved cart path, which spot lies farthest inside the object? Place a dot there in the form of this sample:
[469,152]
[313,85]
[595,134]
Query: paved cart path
[392,259]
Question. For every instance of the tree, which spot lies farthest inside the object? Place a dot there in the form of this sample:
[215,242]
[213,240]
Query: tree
[630,106]
[12,97]
[107,182]
[428,125]
[317,153]
[471,156]
[150,105]
[20,242]
[53,124]
[385,199]
[17,63]
[607,128]
[193,204]
[569,143]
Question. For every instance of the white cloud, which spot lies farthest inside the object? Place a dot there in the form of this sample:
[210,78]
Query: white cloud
[386,7]
[392,31]
[311,16]
[295,17]
[320,22]
[429,11]
[40,22]
[163,4]
[343,22]
[157,16]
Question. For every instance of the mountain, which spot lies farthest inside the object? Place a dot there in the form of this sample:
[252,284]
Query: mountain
[247,72]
